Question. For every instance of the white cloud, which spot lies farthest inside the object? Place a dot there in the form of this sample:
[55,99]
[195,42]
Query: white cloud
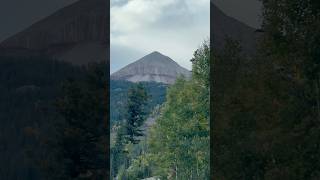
[173,27]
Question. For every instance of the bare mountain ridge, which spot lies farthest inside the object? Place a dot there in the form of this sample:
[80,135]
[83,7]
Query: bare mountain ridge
[225,26]
[152,67]
[77,33]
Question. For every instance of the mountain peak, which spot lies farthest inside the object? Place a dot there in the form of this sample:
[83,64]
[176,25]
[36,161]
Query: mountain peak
[156,53]
[157,58]
[77,33]
[152,67]
[153,55]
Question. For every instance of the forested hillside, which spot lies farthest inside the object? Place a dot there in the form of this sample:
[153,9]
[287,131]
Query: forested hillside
[53,115]
[177,145]
[118,96]
[28,89]
[265,108]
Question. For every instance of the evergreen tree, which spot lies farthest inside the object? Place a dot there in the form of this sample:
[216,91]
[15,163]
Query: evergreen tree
[136,112]
[129,132]
[291,43]
[82,134]
[118,153]
[265,108]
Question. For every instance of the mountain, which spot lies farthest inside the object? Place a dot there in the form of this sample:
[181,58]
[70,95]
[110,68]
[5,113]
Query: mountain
[152,67]
[224,26]
[77,33]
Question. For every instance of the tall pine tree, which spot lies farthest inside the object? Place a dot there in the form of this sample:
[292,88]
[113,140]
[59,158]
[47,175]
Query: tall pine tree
[136,112]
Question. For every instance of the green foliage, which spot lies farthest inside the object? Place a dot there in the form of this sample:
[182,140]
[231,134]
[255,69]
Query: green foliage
[237,106]
[177,145]
[82,134]
[136,113]
[118,155]
[265,108]
[119,94]
[292,41]
[179,141]
[28,89]
[129,133]
[201,64]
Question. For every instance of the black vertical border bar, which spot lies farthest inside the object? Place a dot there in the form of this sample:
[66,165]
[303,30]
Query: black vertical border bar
[108,88]
[211,93]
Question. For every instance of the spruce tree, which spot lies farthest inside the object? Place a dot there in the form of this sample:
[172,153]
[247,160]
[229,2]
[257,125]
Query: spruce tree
[81,136]
[136,112]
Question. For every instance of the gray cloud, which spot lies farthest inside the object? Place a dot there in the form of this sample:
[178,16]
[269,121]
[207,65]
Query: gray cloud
[118,2]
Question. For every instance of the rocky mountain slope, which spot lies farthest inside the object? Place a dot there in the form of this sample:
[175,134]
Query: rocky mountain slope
[227,27]
[77,33]
[152,67]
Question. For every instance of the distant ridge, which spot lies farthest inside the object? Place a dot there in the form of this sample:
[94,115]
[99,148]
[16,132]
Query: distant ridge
[152,67]
[77,33]
[227,27]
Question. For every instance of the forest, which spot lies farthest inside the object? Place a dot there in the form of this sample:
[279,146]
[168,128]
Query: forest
[118,96]
[265,107]
[176,145]
[53,119]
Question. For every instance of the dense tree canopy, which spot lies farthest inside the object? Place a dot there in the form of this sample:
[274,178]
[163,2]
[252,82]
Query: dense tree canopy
[81,136]
[265,108]
[179,141]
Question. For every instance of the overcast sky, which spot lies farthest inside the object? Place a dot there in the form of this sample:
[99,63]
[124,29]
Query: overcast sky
[175,28]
